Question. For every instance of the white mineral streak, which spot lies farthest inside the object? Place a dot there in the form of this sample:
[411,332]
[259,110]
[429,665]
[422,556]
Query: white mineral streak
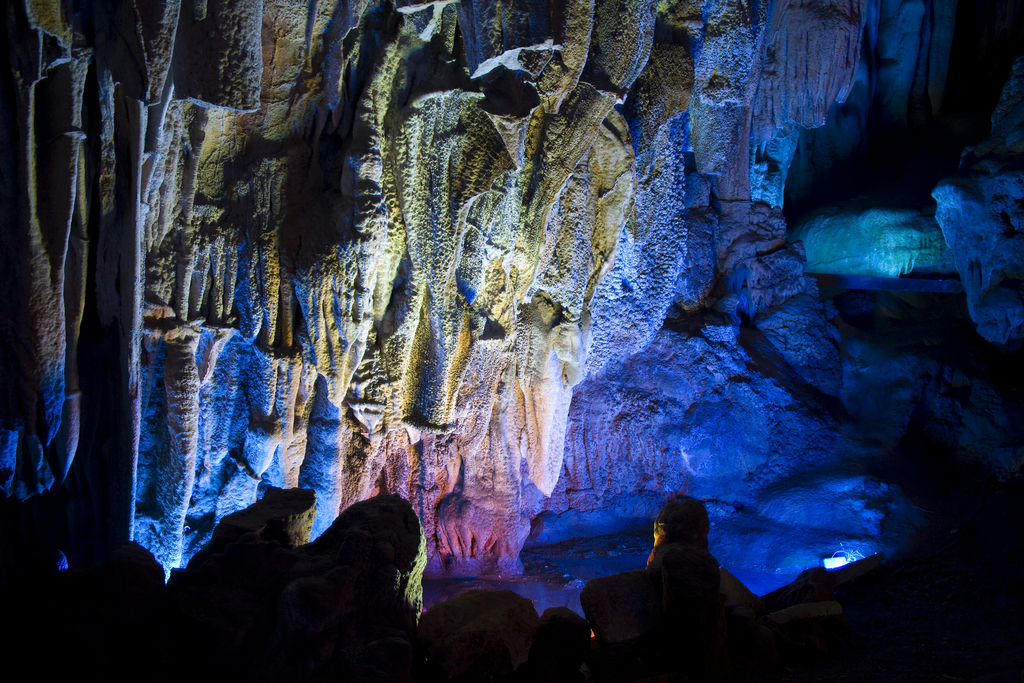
[359,249]
[162,530]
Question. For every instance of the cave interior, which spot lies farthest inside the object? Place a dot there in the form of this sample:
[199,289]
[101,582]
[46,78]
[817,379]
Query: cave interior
[748,271]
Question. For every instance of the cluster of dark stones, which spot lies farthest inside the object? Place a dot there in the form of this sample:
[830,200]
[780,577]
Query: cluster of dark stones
[684,618]
[259,603]
[262,603]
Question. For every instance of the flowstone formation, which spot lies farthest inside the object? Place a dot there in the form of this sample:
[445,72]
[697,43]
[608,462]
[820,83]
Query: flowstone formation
[367,247]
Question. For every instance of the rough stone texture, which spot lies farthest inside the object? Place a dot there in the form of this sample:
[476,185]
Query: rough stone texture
[812,50]
[428,249]
[218,60]
[665,250]
[499,259]
[810,62]
[800,330]
[928,402]
[621,40]
[725,84]
[701,412]
[479,634]
[980,211]
[282,515]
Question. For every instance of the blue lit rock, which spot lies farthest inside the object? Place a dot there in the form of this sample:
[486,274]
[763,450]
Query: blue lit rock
[801,330]
[899,382]
[501,259]
[811,52]
[982,216]
[891,91]
[725,83]
[862,239]
[677,419]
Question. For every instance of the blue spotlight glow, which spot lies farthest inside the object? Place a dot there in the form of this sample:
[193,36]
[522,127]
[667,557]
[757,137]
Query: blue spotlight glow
[841,558]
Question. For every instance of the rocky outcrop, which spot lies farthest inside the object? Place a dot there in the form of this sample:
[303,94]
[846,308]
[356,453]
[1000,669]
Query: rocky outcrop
[479,635]
[107,616]
[812,585]
[263,604]
[345,605]
[870,240]
[348,606]
[366,248]
[560,648]
[670,618]
[693,413]
[684,521]
[622,608]
[282,515]
[425,249]
[899,83]
[980,211]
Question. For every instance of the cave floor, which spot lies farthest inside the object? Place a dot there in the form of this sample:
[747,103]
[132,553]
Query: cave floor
[554,574]
[953,613]
[957,614]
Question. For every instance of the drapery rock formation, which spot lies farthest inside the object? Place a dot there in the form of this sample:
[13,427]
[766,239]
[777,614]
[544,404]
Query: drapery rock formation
[375,247]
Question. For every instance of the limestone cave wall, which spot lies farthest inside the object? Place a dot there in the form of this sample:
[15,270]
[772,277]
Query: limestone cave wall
[508,259]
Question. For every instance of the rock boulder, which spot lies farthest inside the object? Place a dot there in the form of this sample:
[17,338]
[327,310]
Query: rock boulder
[479,634]
[622,607]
